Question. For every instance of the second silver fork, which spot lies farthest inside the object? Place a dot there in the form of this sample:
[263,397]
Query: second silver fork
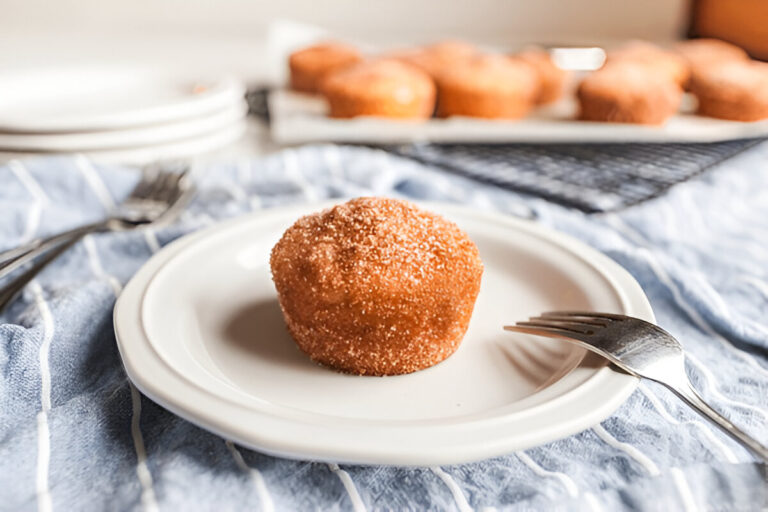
[157,199]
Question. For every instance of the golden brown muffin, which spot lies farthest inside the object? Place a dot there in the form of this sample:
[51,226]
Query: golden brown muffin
[309,66]
[376,286]
[700,54]
[628,93]
[382,88]
[708,51]
[735,90]
[657,59]
[435,58]
[489,86]
[551,77]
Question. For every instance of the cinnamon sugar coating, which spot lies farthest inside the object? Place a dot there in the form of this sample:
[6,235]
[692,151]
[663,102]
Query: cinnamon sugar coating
[376,286]
[656,59]
[551,78]
[734,90]
[701,54]
[628,93]
[436,58]
[380,88]
[309,66]
[489,86]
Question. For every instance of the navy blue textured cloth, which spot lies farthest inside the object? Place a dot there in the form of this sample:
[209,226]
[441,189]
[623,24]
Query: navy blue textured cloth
[75,435]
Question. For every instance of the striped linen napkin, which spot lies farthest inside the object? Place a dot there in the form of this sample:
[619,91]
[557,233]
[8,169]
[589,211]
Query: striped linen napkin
[75,435]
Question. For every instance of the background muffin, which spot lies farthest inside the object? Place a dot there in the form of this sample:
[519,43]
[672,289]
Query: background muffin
[701,54]
[383,88]
[309,66]
[551,78]
[435,58]
[708,51]
[376,286]
[489,86]
[657,59]
[735,90]
[628,93]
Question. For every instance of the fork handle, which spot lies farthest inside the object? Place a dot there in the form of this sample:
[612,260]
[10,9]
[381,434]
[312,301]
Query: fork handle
[693,399]
[9,290]
[12,259]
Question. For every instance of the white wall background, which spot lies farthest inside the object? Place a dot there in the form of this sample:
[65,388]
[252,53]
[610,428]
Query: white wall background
[228,34]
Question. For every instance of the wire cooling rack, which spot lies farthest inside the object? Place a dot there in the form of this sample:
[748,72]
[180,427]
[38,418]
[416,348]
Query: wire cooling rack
[590,177]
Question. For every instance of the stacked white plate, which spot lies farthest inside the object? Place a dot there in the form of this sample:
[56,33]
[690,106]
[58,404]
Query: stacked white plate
[117,114]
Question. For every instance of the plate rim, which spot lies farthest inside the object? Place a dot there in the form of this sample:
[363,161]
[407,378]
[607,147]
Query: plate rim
[137,136]
[187,147]
[223,91]
[139,354]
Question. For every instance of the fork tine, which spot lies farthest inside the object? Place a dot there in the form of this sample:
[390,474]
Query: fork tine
[568,326]
[550,332]
[170,187]
[600,322]
[585,314]
[162,188]
[143,188]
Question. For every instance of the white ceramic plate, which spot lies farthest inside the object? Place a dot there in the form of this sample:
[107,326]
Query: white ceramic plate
[129,137]
[200,332]
[297,118]
[104,98]
[183,148]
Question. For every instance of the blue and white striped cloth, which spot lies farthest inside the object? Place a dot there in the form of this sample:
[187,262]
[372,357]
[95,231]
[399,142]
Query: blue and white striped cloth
[75,435]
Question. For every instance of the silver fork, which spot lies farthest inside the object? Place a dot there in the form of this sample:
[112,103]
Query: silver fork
[158,197]
[641,349]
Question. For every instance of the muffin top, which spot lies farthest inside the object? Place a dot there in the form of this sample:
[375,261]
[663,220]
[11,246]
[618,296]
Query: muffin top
[706,51]
[324,56]
[451,48]
[435,58]
[540,60]
[652,56]
[374,247]
[383,78]
[734,78]
[491,74]
[630,82]
[551,77]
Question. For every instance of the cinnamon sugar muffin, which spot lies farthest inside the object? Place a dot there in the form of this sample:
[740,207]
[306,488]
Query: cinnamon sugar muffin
[707,51]
[735,90]
[376,286]
[551,77]
[435,58]
[309,66]
[628,93]
[384,88]
[655,58]
[489,86]
[700,54]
